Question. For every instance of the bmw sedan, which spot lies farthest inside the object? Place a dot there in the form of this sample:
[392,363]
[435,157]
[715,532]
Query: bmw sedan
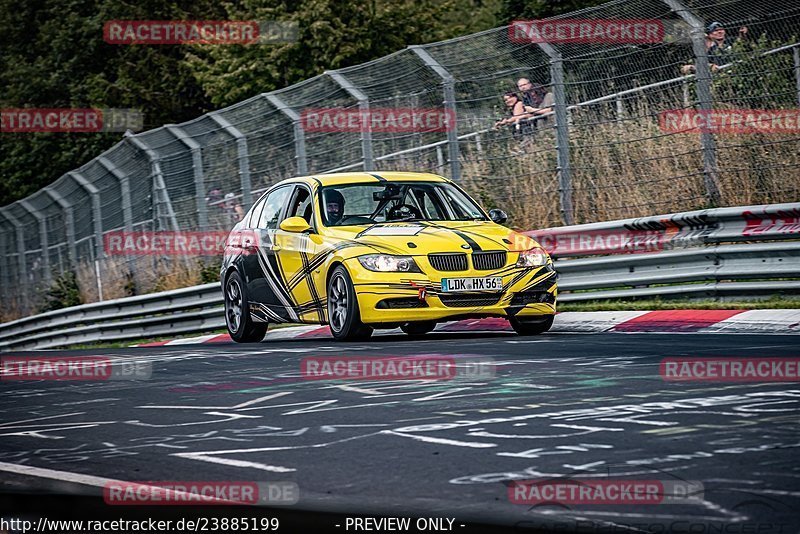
[360,251]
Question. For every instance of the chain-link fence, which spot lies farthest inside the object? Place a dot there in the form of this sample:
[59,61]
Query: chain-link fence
[595,142]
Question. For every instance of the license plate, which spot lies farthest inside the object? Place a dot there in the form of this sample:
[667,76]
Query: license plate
[453,285]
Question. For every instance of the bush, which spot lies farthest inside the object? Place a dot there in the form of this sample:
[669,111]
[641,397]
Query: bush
[63,293]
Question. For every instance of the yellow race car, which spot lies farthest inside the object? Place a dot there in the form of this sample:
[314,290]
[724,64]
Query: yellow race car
[360,251]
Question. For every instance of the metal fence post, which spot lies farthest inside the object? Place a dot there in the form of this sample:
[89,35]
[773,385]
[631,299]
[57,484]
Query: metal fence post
[796,55]
[705,100]
[562,132]
[97,215]
[242,154]
[439,157]
[21,261]
[43,241]
[127,207]
[197,168]
[69,223]
[299,133]
[5,269]
[363,107]
[449,105]
[125,191]
[160,193]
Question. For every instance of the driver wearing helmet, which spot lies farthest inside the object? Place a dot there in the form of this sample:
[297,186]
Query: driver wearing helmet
[334,206]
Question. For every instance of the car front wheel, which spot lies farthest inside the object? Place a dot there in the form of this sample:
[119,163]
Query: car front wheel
[241,326]
[344,316]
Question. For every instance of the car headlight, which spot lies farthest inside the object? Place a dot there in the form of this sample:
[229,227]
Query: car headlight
[385,263]
[535,257]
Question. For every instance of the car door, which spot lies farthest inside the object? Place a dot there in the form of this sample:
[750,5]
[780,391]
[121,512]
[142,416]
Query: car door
[269,297]
[297,257]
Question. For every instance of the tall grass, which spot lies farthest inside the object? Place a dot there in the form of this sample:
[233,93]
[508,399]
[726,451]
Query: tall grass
[627,168]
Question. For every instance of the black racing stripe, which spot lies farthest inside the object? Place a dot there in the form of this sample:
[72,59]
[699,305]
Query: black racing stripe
[270,265]
[311,306]
[267,312]
[535,282]
[319,259]
[467,239]
[471,242]
[312,288]
[485,237]
[517,277]
[378,176]
[275,261]
[315,262]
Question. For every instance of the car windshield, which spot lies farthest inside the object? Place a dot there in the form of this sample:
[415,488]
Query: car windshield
[370,203]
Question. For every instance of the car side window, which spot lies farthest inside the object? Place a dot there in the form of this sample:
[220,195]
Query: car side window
[300,205]
[273,206]
[255,213]
[429,205]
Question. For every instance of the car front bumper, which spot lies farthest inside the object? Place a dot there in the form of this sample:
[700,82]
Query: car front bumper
[390,298]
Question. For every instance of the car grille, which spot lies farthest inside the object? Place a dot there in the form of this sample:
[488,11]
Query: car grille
[531,297]
[486,261]
[468,301]
[448,261]
[401,302]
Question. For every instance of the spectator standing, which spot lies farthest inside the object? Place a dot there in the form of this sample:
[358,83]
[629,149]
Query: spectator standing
[233,210]
[537,100]
[216,213]
[716,47]
[532,95]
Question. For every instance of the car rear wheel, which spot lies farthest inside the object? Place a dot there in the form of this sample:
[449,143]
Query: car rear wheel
[344,316]
[418,328]
[531,327]
[241,326]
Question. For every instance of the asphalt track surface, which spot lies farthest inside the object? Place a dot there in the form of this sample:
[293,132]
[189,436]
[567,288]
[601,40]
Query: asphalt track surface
[584,406]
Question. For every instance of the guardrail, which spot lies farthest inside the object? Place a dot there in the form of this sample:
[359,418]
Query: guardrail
[715,253]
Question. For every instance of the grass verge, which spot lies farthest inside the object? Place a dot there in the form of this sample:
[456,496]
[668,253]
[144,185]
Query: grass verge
[659,304]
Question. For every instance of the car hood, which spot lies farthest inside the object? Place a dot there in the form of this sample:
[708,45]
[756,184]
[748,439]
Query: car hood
[416,238]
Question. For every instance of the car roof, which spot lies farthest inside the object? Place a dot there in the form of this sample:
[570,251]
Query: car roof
[344,178]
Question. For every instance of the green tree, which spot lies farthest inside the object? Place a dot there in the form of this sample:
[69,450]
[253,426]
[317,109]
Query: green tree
[52,55]
[331,34]
[540,9]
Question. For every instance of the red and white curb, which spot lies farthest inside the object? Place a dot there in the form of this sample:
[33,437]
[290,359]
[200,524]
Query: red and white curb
[687,321]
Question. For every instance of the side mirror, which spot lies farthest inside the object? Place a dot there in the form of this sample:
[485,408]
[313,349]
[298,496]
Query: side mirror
[295,225]
[498,216]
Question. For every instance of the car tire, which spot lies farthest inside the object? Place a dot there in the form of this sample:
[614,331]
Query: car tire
[531,328]
[418,328]
[241,326]
[344,317]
